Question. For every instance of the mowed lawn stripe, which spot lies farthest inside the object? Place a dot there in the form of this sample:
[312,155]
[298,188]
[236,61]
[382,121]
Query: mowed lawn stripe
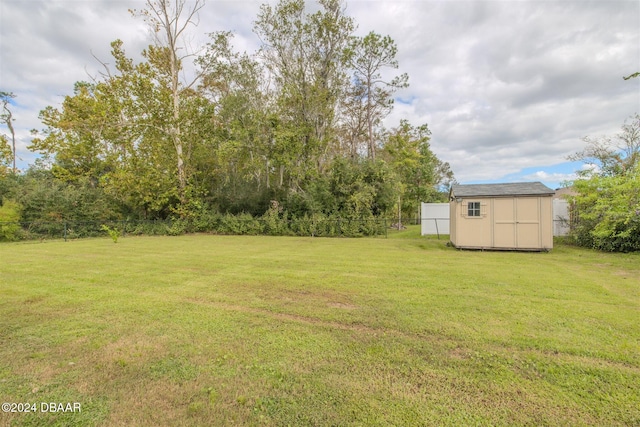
[254,330]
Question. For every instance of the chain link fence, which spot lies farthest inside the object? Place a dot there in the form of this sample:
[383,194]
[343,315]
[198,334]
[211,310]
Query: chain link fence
[222,224]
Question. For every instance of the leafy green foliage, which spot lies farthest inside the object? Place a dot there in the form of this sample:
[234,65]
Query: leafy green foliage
[608,202]
[284,124]
[408,152]
[304,53]
[7,151]
[612,156]
[114,233]
[354,190]
[609,211]
[10,213]
[370,97]
[6,155]
[45,199]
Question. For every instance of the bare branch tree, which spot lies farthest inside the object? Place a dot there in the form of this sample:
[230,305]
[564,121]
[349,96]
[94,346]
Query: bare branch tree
[368,57]
[168,20]
[7,118]
[106,74]
[615,156]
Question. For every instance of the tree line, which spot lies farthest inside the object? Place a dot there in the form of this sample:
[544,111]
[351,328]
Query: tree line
[293,131]
[606,204]
[183,132]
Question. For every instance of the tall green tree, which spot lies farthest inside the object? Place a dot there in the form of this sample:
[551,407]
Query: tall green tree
[136,128]
[6,156]
[608,209]
[6,117]
[305,56]
[421,173]
[114,133]
[370,98]
[182,131]
[170,21]
[242,131]
[613,155]
[354,189]
[78,135]
[607,204]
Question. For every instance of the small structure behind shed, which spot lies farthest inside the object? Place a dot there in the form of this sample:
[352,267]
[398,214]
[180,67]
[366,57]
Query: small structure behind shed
[561,218]
[434,218]
[514,216]
[562,211]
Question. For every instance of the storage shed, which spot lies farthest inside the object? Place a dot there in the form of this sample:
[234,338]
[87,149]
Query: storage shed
[515,216]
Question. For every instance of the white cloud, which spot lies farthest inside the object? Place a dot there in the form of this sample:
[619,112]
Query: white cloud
[504,86]
[590,167]
[549,177]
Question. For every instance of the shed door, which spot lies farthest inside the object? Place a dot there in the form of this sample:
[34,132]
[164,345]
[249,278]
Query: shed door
[516,223]
[528,222]
[504,225]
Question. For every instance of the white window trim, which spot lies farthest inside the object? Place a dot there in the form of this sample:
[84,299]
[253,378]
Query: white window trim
[482,213]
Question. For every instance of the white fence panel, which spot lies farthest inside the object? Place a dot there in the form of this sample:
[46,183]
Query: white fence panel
[434,218]
[560,217]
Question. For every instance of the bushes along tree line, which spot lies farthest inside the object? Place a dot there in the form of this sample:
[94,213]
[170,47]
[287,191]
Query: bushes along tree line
[607,204]
[298,122]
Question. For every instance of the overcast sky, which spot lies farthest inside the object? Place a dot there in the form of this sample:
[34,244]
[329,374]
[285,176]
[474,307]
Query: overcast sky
[508,88]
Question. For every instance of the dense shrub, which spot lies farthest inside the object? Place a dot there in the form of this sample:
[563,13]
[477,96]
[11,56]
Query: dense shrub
[608,212]
[607,205]
[275,222]
[9,220]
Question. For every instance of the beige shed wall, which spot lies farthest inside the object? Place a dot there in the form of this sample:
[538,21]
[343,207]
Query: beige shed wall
[472,231]
[504,223]
[453,219]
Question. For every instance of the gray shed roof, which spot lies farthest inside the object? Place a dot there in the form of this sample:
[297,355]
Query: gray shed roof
[501,190]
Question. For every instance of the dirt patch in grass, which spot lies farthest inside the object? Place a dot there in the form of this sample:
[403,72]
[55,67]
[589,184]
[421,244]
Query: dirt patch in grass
[291,317]
[624,274]
[342,305]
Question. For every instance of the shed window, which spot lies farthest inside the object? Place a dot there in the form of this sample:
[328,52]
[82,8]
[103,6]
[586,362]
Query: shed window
[473,209]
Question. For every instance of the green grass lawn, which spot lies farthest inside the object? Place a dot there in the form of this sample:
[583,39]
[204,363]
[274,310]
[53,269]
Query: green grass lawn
[241,330]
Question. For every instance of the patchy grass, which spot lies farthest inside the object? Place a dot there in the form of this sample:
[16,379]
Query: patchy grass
[223,330]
